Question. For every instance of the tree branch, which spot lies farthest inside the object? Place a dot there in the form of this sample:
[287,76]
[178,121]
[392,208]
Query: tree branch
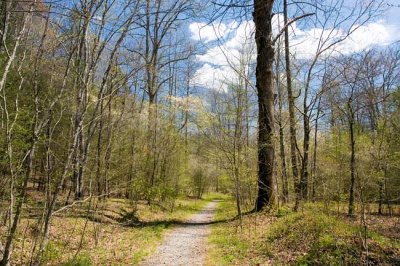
[288,24]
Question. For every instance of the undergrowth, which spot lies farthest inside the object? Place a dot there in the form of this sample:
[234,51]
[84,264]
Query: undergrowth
[304,238]
[119,233]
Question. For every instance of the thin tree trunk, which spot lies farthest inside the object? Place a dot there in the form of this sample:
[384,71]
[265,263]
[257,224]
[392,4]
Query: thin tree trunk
[285,190]
[14,220]
[6,5]
[352,161]
[306,151]
[314,169]
[98,155]
[380,201]
[292,119]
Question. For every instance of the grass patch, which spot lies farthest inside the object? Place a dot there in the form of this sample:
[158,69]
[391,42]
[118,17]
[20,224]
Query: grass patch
[228,247]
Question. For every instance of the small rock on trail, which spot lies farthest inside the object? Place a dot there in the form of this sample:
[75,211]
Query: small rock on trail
[185,244]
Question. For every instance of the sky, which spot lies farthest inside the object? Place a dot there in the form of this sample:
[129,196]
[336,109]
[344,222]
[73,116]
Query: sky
[224,42]
[392,16]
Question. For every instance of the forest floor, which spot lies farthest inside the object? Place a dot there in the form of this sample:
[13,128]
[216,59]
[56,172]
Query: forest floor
[187,243]
[109,232]
[315,235]
[207,232]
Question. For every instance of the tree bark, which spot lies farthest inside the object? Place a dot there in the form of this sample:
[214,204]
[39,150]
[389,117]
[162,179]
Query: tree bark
[264,83]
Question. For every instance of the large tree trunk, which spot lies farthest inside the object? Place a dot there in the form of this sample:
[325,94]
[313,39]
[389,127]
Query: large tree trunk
[264,83]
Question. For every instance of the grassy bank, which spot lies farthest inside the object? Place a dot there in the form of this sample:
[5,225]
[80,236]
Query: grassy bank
[310,237]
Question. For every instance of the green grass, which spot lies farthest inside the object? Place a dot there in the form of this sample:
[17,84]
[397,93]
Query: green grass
[228,247]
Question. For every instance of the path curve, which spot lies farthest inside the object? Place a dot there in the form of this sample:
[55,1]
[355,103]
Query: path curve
[185,244]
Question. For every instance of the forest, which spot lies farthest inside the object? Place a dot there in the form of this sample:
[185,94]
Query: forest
[187,132]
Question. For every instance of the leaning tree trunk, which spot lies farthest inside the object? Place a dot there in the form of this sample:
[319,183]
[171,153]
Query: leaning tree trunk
[264,83]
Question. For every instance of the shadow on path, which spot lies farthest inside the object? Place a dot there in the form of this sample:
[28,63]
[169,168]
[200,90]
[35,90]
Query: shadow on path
[129,219]
[138,224]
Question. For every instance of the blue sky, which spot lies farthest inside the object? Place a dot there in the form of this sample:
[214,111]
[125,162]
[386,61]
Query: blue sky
[393,14]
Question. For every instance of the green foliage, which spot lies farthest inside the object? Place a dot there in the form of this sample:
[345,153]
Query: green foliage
[199,183]
[211,196]
[225,183]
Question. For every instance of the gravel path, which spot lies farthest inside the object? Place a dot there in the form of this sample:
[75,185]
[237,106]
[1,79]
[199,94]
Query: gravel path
[185,244]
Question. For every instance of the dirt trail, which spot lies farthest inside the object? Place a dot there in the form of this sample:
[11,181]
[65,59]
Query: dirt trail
[186,244]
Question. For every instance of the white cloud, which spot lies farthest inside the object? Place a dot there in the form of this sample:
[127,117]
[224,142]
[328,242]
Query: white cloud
[305,43]
[210,32]
[234,39]
[221,60]
[376,33]
[213,77]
